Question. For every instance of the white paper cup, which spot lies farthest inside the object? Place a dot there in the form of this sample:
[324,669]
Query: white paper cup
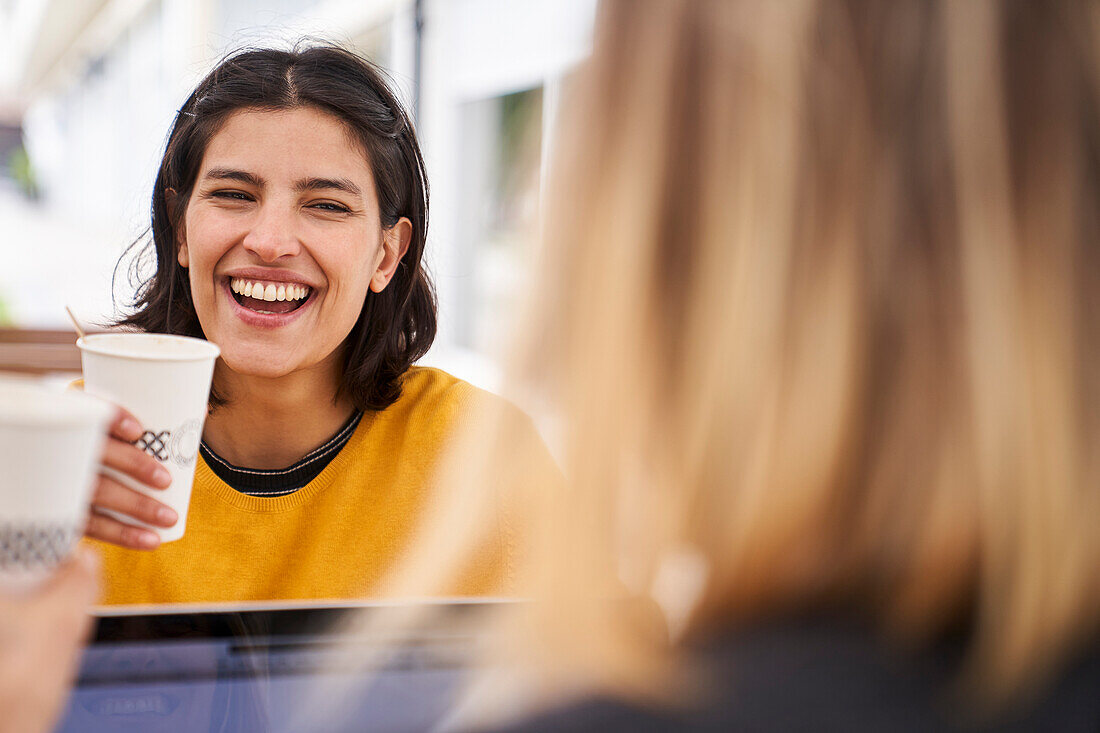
[165,382]
[50,446]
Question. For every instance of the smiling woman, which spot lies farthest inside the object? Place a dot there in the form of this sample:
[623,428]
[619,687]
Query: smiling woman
[289,221]
[306,220]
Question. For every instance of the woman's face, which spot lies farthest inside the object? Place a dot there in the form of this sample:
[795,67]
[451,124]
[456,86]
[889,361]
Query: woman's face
[282,240]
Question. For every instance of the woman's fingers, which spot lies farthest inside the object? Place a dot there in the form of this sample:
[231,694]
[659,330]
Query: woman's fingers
[110,494]
[107,529]
[125,426]
[122,457]
[136,463]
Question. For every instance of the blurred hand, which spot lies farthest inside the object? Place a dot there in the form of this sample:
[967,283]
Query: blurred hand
[40,638]
[120,455]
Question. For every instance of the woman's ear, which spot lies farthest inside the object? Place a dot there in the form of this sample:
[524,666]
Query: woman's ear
[171,201]
[395,243]
[182,255]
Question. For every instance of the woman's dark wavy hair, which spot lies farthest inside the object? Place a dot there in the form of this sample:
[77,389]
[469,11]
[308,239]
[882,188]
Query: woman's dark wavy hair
[396,326]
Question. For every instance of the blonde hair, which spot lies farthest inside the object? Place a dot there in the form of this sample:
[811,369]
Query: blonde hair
[818,310]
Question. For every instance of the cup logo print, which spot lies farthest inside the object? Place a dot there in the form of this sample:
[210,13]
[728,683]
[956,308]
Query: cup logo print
[185,443]
[155,444]
[180,445]
[31,545]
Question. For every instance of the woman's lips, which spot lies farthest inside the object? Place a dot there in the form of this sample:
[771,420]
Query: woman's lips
[265,313]
[269,291]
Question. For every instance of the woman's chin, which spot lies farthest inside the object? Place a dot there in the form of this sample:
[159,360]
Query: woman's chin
[261,364]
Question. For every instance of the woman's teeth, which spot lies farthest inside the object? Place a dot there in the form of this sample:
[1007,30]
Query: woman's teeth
[269,291]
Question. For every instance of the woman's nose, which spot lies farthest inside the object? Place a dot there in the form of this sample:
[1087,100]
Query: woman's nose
[272,235]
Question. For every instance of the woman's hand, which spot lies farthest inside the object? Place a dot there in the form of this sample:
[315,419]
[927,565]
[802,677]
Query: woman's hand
[122,456]
[40,638]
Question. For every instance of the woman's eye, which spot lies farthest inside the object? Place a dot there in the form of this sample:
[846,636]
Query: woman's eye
[232,195]
[330,206]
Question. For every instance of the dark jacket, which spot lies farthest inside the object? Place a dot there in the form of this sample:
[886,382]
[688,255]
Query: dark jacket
[825,677]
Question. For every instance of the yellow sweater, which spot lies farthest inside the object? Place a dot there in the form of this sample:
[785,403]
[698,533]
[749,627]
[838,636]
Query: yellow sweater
[336,537]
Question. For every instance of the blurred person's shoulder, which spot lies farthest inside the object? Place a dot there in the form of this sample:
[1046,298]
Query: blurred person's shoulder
[825,677]
[831,675]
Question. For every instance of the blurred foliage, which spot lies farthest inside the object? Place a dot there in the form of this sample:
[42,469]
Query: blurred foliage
[520,123]
[6,320]
[517,164]
[22,172]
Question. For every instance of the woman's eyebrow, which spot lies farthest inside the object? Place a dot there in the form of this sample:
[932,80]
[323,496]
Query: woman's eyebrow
[339,184]
[231,174]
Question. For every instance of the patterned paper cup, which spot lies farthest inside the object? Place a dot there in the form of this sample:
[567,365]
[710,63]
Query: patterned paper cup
[165,382]
[50,445]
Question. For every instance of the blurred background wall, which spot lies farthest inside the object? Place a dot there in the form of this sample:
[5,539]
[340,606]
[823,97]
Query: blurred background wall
[88,89]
